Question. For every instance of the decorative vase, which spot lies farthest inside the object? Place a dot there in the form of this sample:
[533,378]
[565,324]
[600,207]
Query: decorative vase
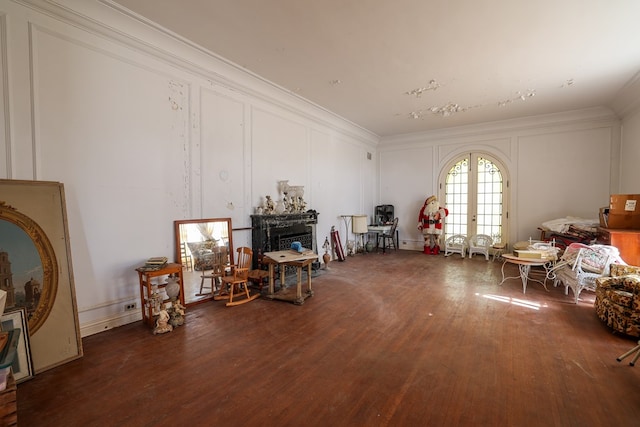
[326,258]
[350,247]
[283,186]
[368,246]
[173,288]
[279,207]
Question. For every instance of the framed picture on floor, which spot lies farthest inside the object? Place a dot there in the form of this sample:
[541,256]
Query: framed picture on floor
[36,270]
[22,365]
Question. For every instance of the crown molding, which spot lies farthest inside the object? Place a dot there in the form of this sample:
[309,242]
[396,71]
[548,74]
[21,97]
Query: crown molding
[598,116]
[111,21]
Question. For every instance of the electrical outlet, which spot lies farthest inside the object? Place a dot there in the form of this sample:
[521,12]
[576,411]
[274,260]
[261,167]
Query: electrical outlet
[129,307]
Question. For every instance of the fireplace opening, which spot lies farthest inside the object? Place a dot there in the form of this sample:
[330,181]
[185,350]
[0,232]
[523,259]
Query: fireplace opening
[285,241]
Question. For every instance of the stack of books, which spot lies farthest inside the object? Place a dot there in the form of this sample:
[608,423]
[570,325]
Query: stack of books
[530,254]
[156,263]
[535,254]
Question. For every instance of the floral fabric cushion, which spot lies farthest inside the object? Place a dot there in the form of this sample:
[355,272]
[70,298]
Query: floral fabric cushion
[203,254]
[623,270]
[618,299]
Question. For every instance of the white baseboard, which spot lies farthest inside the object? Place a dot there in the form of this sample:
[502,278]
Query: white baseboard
[110,323]
[412,245]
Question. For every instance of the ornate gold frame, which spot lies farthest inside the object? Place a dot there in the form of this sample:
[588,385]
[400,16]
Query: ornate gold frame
[47,258]
[39,209]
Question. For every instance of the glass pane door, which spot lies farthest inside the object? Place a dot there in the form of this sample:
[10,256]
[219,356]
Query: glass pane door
[474,189]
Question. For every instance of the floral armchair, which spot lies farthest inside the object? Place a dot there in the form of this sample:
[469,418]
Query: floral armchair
[618,299]
[203,254]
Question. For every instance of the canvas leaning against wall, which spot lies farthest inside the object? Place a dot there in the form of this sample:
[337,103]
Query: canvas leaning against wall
[36,270]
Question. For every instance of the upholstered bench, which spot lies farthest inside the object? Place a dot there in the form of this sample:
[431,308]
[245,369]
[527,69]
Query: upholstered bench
[618,299]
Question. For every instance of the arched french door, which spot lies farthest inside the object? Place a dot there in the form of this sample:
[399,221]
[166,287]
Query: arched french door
[475,189]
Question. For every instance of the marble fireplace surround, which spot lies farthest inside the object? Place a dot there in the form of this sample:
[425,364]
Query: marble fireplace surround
[276,232]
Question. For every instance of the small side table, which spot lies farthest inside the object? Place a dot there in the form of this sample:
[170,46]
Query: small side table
[524,266]
[146,286]
[299,261]
[498,250]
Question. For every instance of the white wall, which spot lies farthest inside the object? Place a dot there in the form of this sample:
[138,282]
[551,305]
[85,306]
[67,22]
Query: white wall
[629,170]
[144,130]
[627,106]
[559,165]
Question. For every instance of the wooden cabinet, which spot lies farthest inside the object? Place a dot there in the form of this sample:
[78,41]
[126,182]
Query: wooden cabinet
[151,278]
[627,242]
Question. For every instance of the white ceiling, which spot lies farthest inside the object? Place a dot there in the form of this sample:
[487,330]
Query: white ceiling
[361,59]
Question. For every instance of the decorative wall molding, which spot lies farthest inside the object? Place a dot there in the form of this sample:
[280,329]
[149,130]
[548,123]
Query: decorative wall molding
[598,116]
[5,120]
[146,36]
[627,101]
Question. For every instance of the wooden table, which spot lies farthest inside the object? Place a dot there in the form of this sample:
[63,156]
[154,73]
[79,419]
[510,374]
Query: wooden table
[294,259]
[524,265]
[146,288]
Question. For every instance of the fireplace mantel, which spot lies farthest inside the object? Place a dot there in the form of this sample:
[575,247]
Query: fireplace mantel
[276,232]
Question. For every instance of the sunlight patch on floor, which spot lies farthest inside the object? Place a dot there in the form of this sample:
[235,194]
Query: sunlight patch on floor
[515,301]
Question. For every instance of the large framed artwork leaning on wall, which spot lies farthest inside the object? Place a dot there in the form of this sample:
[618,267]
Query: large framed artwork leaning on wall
[36,270]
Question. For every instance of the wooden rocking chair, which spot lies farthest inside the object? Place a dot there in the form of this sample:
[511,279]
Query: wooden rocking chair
[237,284]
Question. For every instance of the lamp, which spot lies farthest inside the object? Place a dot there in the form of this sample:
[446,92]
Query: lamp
[360,228]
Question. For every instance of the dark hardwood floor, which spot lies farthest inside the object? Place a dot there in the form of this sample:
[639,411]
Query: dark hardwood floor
[402,339]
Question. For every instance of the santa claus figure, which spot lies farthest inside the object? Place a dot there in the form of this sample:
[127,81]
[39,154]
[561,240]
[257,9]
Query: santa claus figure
[430,223]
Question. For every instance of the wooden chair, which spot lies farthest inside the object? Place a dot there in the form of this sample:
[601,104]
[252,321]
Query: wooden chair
[185,257]
[219,263]
[237,284]
[389,238]
[260,276]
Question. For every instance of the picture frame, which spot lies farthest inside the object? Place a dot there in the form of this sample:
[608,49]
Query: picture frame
[22,365]
[36,269]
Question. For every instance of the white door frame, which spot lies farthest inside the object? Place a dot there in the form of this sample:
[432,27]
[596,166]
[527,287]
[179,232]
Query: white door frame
[472,194]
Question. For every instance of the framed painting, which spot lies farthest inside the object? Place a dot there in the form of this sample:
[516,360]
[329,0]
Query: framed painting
[36,270]
[22,365]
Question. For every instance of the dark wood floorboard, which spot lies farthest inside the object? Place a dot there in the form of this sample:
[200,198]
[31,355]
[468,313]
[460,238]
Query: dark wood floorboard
[402,339]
